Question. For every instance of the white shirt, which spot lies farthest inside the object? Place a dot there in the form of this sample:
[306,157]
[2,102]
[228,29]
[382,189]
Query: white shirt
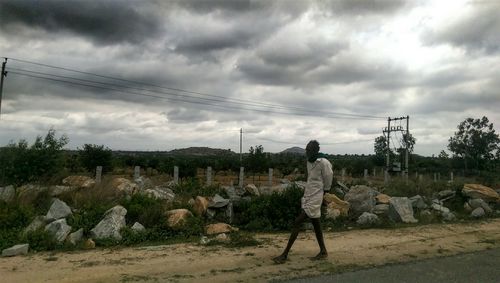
[319,179]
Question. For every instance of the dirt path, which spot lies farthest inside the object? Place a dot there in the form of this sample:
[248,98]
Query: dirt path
[191,262]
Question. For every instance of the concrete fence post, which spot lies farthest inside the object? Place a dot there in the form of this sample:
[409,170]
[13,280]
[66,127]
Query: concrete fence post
[98,174]
[242,177]
[343,174]
[137,172]
[176,175]
[209,176]
[270,177]
[451,176]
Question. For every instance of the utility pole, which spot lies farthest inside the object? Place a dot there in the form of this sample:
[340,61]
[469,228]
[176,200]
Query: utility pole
[387,164]
[406,132]
[241,144]
[407,170]
[2,75]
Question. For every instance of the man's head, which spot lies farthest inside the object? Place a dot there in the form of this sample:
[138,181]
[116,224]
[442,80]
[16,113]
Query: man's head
[312,148]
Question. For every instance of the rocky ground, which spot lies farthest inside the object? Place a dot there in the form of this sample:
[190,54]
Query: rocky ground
[193,262]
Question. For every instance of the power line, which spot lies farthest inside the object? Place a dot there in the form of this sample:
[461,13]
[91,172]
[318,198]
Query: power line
[299,143]
[193,92]
[310,114]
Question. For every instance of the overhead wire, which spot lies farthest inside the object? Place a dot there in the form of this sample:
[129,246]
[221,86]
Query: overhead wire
[240,101]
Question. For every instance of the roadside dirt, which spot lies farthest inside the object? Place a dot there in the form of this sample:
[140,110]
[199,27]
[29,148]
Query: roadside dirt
[193,263]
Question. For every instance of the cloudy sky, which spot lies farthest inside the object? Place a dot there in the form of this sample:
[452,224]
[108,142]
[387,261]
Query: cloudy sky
[174,74]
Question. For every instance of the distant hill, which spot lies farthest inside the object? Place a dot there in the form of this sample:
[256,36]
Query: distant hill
[295,150]
[201,151]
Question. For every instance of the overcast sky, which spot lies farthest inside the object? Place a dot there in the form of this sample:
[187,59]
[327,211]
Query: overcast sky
[245,64]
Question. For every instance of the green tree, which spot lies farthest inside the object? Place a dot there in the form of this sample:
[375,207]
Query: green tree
[475,142]
[21,163]
[257,160]
[93,155]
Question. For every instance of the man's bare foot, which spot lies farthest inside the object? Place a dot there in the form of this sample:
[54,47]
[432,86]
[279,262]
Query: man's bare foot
[320,256]
[280,259]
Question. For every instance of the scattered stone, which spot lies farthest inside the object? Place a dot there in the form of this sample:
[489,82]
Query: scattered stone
[204,240]
[75,237]
[343,186]
[479,191]
[475,203]
[333,202]
[7,194]
[37,223]
[367,219]
[426,215]
[217,202]
[211,213]
[58,190]
[400,209]
[89,244]
[143,183]
[219,228]
[59,229]
[177,217]
[111,224]
[449,216]
[478,213]
[361,199]
[59,209]
[467,207]
[382,199]
[222,237]
[417,202]
[200,205]
[191,202]
[231,192]
[445,194]
[138,227]
[441,209]
[79,182]
[332,213]
[16,250]
[125,186]
[30,190]
[252,190]
[161,193]
[381,209]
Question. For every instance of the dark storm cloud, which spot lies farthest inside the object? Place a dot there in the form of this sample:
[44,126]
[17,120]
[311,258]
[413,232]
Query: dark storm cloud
[362,7]
[104,22]
[478,31]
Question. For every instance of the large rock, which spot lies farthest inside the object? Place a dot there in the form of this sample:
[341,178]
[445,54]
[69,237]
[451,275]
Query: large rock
[382,199]
[160,193]
[75,237]
[58,190]
[219,228]
[381,209]
[37,223]
[59,229]
[475,203]
[31,191]
[361,199]
[88,244]
[110,225]
[401,210]
[143,183]
[418,202]
[16,250]
[217,202]
[477,213]
[200,205]
[79,182]
[7,194]
[333,202]
[252,190]
[445,194]
[448,216]
[479,191]
[138,227]
[59,209]
[124,186]
[439,208]
[367,219]
[177,217]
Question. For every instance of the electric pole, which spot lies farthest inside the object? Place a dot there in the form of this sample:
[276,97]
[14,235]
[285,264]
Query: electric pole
[387,164]
[406,140]
[2,75]
[241,144]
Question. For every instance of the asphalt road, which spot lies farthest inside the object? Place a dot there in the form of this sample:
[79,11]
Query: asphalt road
[481,267]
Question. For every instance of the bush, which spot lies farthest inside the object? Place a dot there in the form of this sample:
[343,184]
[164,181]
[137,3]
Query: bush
[145,210]
[40,240]
[270,212]
[93,155]
[87,217]
[20,163]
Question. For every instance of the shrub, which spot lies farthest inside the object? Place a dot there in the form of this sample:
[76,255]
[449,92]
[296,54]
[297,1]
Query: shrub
[40,240]
[87,217]
[20,163]
[270,212]
[145,210]
[93,155]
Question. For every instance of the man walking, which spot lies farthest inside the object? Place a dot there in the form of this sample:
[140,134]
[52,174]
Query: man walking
[319,179]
